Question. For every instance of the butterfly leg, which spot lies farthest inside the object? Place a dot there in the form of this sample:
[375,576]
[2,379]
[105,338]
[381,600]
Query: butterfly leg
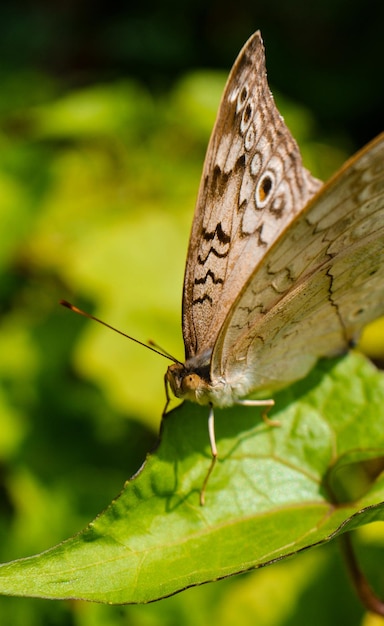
[167,396]
[212,440]
[267,403]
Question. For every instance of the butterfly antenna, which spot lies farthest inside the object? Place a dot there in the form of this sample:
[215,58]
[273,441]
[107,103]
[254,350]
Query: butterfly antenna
[162,351]
[152,347]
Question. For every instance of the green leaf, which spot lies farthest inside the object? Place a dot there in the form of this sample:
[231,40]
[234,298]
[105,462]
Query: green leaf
[270,495]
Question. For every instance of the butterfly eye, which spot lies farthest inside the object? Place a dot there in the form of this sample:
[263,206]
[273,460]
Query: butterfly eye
[191,382]
[264,189]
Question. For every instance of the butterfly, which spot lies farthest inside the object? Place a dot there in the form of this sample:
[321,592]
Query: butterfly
[281,270]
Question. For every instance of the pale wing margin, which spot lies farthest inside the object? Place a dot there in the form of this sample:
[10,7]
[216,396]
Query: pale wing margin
[318,285]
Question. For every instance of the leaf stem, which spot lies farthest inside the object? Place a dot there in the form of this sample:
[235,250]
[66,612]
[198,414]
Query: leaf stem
[366,594]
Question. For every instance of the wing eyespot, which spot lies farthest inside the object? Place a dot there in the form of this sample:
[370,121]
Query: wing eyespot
[242,98]
[246,117]
[264,189]
[250,138]
[256,164]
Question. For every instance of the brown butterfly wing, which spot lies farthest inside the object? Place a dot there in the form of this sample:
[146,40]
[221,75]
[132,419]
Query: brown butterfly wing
[318,285]
[253,184]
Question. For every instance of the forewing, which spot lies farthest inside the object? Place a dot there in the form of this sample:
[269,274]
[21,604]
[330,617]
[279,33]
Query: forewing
[253,184]
[316,288]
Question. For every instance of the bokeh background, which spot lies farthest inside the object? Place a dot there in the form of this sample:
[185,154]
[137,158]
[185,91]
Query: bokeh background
[105,114]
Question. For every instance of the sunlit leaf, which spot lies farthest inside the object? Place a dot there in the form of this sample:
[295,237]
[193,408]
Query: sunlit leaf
[270,496]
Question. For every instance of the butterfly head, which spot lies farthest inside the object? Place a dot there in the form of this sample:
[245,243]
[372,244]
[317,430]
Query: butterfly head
[189,382]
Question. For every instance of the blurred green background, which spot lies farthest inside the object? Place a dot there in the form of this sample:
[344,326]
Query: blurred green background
[105,114]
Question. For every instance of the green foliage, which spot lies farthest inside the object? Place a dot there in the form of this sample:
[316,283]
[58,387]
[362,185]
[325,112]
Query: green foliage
[274,493]
[97,192]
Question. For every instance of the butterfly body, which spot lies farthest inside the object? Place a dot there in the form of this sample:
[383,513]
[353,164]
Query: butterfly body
[281,270]
[192,381]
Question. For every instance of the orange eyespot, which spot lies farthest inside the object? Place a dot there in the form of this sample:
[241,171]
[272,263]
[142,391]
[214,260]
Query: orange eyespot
[265,188]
